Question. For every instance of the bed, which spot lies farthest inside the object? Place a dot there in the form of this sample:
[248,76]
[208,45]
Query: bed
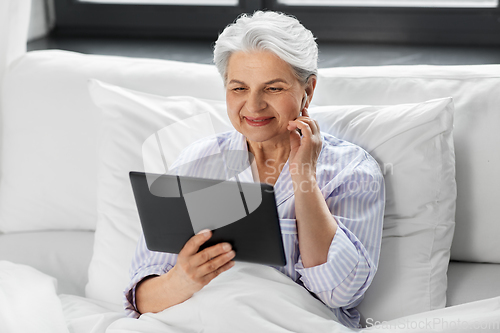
[72,127]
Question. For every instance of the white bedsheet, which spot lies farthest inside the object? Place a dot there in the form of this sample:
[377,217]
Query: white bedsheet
[247,298]
[481,316]
[84,315]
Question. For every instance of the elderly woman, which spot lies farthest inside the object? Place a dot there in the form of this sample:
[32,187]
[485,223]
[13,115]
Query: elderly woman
[331,220]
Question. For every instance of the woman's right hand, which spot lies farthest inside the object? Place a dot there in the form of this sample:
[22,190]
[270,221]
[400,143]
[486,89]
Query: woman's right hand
[192,271]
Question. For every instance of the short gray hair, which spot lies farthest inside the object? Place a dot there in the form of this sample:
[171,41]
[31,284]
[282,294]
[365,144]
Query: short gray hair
[276,32]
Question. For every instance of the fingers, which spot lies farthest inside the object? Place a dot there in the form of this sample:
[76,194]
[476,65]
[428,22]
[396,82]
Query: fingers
[305,112]
[193,244]
[213,274]
[294,136]
[307,126]
[210,254]
[193,270]
[217,265]
[208,260]
[306,147]
[312,123]
[304,123]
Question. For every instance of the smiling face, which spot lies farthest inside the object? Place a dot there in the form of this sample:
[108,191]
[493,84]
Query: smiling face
[262,95]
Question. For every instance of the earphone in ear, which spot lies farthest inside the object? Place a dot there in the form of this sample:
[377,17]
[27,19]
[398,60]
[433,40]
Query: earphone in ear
[303,102]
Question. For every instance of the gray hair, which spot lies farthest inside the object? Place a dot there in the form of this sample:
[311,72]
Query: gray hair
[276,32]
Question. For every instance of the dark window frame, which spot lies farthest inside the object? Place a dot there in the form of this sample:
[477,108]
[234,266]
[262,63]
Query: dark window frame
[96,19]
[410,25]
[347,24]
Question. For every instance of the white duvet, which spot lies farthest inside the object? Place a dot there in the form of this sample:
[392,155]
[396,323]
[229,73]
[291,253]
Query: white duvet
[247,298]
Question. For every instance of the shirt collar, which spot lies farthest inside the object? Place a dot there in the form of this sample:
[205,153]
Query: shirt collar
[235,160]
[283,188]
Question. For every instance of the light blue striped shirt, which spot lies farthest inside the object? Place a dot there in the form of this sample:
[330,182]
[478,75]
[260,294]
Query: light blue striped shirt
[353,187]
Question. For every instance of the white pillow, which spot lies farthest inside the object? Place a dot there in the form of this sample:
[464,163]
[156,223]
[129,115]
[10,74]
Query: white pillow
[414,147]
[129,119]
[412,141]
[50,129]
[475,92]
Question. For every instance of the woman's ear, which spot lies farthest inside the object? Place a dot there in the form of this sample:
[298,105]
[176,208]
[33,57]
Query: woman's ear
[310,86]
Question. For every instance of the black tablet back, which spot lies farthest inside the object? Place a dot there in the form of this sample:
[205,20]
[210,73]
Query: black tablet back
[255,236]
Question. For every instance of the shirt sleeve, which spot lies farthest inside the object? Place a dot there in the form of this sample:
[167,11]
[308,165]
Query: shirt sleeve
[357,205]
[191,162]
[145,263]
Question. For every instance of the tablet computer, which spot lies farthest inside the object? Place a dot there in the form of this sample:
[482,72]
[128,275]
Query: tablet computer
[173,208]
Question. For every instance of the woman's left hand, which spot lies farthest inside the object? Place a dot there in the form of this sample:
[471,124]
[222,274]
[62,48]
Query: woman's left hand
[306,149]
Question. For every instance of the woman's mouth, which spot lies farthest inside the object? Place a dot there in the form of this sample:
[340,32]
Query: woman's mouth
[259,121]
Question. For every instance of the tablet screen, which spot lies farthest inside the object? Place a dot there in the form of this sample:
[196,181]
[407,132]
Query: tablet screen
[174,208]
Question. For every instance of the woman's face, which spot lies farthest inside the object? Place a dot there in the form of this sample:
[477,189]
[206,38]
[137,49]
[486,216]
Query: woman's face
[262,95]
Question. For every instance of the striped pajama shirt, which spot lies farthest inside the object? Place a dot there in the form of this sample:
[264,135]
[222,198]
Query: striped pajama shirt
[353,187]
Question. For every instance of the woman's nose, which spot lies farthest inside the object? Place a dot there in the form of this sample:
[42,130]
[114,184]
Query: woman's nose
[255,102]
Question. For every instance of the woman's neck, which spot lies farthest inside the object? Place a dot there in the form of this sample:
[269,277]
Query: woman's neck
[270,157]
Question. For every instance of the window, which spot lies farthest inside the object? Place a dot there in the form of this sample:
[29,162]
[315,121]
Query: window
[394,3]
[400,21]
[396,21]
[148,18]
[169,2]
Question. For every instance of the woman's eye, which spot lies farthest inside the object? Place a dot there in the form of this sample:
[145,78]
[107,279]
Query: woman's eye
[275,89]
[238,89]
